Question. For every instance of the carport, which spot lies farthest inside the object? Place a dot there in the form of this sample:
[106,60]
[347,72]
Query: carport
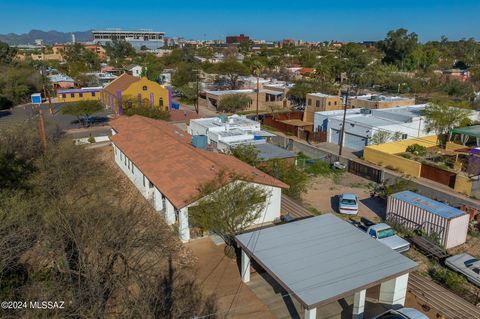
[323,259]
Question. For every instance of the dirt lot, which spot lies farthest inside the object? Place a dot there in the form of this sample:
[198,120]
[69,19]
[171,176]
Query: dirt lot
[323,192]
[219,275]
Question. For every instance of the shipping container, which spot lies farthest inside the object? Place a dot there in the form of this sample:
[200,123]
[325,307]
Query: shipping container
[446,225]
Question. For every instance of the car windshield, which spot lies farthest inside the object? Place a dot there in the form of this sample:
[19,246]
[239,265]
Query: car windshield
[385,233]
[346,201]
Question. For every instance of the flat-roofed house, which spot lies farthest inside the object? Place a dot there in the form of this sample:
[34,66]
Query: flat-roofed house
[378,101]
[320,102]
[266,98]
[162,163]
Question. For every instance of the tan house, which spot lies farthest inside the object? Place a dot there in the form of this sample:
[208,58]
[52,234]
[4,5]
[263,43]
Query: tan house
[319,102]
[378,101]
[266,98]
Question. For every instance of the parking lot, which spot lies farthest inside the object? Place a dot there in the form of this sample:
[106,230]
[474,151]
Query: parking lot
[57,122]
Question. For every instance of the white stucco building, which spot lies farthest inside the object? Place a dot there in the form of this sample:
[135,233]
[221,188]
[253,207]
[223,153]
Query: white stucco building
[161,162]
[225,132]
[135,70]
[362,124]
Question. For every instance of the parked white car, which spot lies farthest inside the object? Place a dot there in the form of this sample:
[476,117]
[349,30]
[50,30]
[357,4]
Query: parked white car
[467,265]
[348,204]
[403,313]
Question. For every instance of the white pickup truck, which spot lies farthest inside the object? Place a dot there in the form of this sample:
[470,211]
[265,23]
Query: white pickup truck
[385,234]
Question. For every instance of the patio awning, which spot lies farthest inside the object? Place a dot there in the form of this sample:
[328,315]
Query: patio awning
[469,130]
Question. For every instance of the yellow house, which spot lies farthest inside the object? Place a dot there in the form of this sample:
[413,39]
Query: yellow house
[83,94]
[128,90]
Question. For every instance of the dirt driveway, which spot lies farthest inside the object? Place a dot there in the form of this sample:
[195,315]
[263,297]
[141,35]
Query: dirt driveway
[323,192]
[219,275]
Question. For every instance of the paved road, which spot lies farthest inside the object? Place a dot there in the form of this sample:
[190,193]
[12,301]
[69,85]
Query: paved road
[56,122]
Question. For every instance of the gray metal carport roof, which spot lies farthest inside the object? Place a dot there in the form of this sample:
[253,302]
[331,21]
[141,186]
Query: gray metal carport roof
[322,259]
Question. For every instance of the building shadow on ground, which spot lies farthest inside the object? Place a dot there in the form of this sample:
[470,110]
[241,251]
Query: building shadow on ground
[376,205]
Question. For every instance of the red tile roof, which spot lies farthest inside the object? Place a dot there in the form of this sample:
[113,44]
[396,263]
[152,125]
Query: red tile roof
[121,83]
[166,157]
[182,116]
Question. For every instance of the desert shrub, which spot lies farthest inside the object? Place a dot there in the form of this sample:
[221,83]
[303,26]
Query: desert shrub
[417,149]
[448,278]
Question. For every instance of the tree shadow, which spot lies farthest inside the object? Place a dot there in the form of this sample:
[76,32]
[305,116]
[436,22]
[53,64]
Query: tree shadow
[5,113]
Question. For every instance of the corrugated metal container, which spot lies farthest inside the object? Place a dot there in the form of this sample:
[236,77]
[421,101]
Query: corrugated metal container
[439,220]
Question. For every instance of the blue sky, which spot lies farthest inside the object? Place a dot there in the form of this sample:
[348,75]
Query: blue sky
[344,20]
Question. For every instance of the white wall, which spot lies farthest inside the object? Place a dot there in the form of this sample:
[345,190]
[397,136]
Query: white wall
[126,166]
[270,213]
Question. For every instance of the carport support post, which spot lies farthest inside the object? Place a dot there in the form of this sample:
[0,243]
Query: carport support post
[310,313]
[245,267]
[359,304]
[393,292]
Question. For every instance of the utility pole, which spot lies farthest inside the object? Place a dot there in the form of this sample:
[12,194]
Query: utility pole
[41,130]
[258,91]
[342,131]
[196,92]
[45,92]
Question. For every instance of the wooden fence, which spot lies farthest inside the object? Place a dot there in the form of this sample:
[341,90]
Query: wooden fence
[438,175]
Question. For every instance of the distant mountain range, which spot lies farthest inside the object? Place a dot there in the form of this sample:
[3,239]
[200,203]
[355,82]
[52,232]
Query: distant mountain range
[49,37]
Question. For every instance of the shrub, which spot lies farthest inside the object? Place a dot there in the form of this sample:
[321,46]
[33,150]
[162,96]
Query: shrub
[5,103]
[417,149]
[448,278]
[91,139]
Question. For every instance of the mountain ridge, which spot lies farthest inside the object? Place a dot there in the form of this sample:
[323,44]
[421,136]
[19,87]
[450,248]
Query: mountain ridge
[49,37]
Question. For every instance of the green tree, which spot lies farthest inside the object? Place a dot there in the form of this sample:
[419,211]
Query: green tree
[459,89]
[442,118]
[189,93]
[380,137]
[80,60]
[289,174]
[18,82]
[246,153]
[82,109]
[422,58]
[152,66]
[232,70]
[7,53]
[184,74]
[146,111]
[118,51]
[228,208]
[398,45]
[233,103]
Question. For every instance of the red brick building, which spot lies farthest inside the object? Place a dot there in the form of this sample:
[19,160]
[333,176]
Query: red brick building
[232,39]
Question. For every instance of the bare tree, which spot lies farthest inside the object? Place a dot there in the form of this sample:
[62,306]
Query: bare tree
[92,243]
